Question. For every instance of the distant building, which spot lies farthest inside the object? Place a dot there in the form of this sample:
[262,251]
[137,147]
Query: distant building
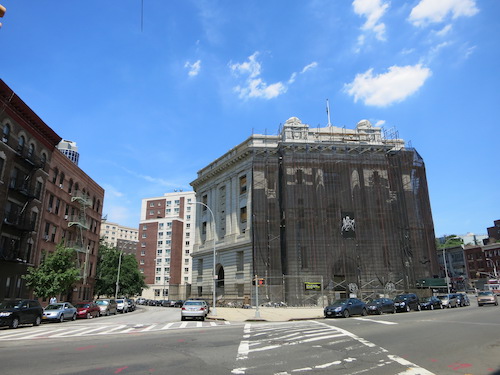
[120,237]
[69,149]
[314,212]
[483,263]
[494,232]
[166,239]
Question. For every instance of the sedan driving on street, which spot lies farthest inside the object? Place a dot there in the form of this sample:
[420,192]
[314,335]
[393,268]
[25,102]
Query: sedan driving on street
[487,298]
[194,309]
[59,312]
[345,308]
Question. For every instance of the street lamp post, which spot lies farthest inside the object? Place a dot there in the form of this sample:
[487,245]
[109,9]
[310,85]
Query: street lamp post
[214,311]
[118,275]
[446,271]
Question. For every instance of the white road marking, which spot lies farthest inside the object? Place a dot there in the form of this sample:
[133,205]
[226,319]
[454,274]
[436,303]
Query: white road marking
[375,321]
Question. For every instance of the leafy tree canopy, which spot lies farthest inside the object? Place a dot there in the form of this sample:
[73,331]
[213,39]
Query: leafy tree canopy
[56,274]
[449,241]
[131,281]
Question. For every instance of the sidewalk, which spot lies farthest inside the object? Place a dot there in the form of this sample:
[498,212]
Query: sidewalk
[271,314]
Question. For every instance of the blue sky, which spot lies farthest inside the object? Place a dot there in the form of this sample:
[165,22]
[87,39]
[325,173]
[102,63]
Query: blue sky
[152,95]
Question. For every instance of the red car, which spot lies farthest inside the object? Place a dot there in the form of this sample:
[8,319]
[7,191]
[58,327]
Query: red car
[87,310]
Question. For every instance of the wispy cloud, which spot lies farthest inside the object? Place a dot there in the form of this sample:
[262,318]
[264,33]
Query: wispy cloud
[385,89]
[435,11]
[373,10]
[255,86]
[194,68]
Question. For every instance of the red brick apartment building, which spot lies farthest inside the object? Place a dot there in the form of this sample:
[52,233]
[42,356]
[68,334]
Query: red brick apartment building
[45,199]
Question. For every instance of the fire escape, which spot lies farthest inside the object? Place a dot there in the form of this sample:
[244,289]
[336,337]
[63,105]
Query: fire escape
[80,222]
[19,221]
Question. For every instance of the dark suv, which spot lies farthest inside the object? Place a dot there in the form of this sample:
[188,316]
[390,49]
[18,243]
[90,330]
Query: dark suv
[407,302]
[20,311]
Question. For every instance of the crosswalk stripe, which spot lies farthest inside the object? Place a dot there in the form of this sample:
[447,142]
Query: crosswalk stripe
[112,329]
[167,326]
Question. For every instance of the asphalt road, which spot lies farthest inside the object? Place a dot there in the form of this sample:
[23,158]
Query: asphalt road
[154,341]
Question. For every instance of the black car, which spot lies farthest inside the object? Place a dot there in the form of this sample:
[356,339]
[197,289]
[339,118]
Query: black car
[431,303]
[407,302]
[20,311]
[462,299]
[345,308]
[381,305]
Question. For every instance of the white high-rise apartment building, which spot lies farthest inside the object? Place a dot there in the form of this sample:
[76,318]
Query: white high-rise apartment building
[166,239]
[119,236]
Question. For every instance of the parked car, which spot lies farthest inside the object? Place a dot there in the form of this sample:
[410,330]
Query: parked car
[87,310]
[140,301]
[20,311]
[122,305]
[345,308]
[448,300]
[107,306]
[407,302]
[462,299]
[487,297]
[194,309]
[431,303]
[179,303]
[131,304]
[381,305]
[59,312]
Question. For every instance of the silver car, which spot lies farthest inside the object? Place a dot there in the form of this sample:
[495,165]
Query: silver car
[487,298]
[59,312]
[194,309]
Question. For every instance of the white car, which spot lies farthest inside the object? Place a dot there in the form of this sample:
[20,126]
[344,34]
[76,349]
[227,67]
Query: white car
[122,305]
[194,309]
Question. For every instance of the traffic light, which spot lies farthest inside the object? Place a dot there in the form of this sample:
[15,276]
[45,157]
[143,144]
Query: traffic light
[260,281]
[2,12]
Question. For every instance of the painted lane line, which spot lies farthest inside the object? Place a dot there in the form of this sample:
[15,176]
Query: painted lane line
[413,368]
[40,334]
[148,328]
[375,321]
[243,350]
[112,329]
[66,333]
[167,326]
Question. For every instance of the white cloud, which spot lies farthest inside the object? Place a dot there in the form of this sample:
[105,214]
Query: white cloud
[444,31]
[255,86]
[194,68]
[373,10]
[388,88]
[309,67]
[380,123]
[434,11]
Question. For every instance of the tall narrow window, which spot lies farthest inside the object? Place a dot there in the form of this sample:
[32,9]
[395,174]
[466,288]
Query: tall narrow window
[20,144]
[243,184]
[6,133]
[243,214]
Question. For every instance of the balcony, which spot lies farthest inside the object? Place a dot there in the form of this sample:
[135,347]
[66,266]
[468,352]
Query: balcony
[13,219]
[78,221]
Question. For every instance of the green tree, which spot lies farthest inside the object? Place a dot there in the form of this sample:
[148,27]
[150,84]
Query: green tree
[131,281]
[57,274]
[449,241]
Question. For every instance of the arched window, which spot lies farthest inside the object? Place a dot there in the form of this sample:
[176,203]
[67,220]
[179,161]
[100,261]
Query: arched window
[43,159]
[70,186]
[76,188]
[20,143]
[61,180]
[6,133]
[98,206]
[56,173]
[31,150]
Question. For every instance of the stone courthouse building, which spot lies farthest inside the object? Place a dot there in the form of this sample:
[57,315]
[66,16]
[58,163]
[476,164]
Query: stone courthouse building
[313,213]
